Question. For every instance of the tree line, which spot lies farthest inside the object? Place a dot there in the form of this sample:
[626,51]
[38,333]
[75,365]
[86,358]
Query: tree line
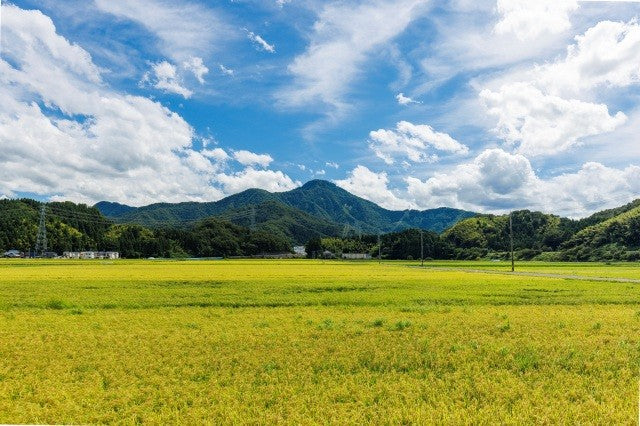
[77,227]
[607,235]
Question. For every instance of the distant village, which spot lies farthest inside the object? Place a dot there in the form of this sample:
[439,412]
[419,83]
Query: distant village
[298,251]
[65,255]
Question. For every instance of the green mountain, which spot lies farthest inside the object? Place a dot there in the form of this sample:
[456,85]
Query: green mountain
[110,209]
[168,214]
[279,219]
[612,234]
[69,226]
[77,227]
[615,238]
[603,215]
[327,200]
[534,232]
[318,208]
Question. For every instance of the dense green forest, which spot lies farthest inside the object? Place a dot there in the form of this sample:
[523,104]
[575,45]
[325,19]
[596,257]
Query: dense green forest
[77,227]
[273,227]
[608,235]
[404,244]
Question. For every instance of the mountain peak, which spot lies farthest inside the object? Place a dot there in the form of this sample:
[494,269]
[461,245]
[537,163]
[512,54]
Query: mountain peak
[318,183]
[109,208]
[322,200]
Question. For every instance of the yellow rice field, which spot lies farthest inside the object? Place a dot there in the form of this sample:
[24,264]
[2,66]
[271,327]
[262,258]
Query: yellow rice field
[311,342]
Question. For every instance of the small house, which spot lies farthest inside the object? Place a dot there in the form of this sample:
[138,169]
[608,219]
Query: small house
[13,253]
[356,256]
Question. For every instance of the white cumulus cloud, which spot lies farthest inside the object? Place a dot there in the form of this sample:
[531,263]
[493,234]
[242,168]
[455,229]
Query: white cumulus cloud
[528,19]
[373,187]
[248,158]
[608,54]
[405,100]
[196,66]
[550,108]
[542,124]
[270,180]
[217,154]
[67,135]
[414,142]
[164,76]
[497,181]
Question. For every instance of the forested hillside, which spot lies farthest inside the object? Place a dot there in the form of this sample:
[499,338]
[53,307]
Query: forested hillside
[616,238]
[69,226]
[612,234]
[77,227]
[533,233]
[319,202]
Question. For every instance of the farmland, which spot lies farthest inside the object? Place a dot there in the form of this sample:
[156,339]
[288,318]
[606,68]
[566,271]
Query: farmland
[317,342]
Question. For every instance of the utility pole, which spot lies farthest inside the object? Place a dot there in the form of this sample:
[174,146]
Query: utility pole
[253,218]
[379,249]
[41,240]
[421,249]
[513,268]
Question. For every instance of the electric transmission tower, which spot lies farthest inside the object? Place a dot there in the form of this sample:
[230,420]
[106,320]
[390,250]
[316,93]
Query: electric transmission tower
[41,240]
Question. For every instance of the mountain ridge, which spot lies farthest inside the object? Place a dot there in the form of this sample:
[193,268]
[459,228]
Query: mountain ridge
[323,200]
[608,235]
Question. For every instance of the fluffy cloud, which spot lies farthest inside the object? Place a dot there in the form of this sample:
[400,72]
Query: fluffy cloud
[168,78]
[261,43]
[492,179]
[217,154]
[343,37]
[489,35]
[540,110]
[469,41]
[608,54]
[248,158]
[591,188]
[497,181]
[413,142]
[405,100]
[65,132]
[528,19]
[273,181]
[197,67]
[164,76]
[543,124]
[373,187]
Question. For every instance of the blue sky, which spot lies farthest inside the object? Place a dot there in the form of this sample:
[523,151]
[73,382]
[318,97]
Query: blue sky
[483,105]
